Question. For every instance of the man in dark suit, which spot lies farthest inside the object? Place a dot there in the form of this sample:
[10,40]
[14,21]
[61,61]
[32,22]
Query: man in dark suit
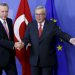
[40,34]
[7,52]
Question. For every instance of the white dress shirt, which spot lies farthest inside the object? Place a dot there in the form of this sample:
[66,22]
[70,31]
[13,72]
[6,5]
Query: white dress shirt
[41,24]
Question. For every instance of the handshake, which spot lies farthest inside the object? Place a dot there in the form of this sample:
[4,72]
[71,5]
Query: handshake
[20,45]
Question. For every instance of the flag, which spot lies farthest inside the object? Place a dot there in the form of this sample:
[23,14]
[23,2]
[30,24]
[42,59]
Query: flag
[61,68]
[23,16]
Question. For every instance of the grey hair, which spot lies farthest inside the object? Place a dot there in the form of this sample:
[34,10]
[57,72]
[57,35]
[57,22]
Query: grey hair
[4,4]
[40,7]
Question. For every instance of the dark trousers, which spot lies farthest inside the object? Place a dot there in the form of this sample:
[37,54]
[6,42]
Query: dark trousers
[41,70]
[10,68]
[37,70]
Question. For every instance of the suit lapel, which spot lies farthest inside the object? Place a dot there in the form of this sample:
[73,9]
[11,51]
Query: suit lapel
[2,29]
[36,30]
[36,33]
[8,23]
[10,27]
[44,30]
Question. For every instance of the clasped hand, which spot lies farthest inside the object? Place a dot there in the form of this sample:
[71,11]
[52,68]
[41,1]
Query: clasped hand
[19,45]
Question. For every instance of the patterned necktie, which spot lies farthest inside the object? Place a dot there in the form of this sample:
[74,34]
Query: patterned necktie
[40,30]
[6,29]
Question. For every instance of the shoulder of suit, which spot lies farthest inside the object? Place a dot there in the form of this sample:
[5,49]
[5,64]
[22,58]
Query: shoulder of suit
[9,19]
[32,23]
[50,21]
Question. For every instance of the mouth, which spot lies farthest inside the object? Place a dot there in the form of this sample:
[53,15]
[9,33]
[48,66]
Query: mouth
[4,18]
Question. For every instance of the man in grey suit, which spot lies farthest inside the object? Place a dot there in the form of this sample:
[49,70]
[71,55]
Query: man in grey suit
[40,34]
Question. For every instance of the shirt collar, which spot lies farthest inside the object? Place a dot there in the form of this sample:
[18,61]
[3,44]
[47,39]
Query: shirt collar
[2,20]
[42,23]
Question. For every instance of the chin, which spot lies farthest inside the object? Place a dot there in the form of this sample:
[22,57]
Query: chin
[39,21]
[4,18]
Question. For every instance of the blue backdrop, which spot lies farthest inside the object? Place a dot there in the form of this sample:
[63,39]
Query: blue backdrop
[66,14]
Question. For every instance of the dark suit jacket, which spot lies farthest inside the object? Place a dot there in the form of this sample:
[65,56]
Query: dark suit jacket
[41,48]
[6,44]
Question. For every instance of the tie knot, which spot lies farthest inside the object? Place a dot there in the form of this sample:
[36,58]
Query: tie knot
[4,22]
[40,24]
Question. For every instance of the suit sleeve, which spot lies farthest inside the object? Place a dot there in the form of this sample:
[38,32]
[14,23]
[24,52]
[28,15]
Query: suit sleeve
[6,44]
[66,37]
[26,38]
